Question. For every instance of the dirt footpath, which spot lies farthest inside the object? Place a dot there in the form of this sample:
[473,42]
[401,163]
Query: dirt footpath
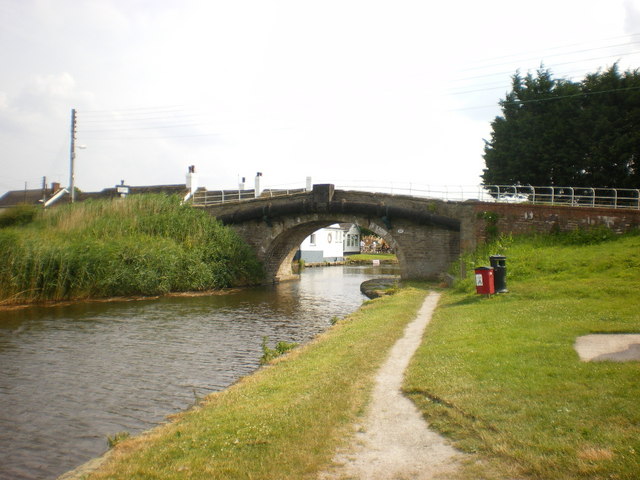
[394,442]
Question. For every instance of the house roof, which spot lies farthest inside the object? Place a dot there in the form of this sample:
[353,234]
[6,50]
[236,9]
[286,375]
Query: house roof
[18,197]
[34,197]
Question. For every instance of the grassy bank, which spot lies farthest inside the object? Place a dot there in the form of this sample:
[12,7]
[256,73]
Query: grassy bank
[144,245]
[283,422]
[500,376]
[367,258]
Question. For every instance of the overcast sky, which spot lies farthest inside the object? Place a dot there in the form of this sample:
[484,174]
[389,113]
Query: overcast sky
[376,91]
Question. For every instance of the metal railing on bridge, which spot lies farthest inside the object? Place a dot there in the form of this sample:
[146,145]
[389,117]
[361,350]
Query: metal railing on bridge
[202,198]
[546,195]
[568,196]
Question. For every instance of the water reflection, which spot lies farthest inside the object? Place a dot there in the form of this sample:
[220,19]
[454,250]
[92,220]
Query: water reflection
[71,375]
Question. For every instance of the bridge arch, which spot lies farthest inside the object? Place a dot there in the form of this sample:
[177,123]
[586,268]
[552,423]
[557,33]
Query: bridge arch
[280,251]
[425,242]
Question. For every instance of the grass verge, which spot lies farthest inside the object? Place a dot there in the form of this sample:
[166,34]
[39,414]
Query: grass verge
[501,378]
[369,257]
[283,422]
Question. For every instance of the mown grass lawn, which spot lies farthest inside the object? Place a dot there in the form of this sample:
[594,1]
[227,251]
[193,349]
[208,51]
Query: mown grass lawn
[500,375]
[369,257]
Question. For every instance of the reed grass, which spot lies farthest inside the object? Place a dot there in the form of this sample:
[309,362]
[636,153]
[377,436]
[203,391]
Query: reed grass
[142,245]
[500,375]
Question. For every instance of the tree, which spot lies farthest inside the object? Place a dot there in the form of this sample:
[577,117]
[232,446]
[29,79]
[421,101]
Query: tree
[558,132]
[611,120]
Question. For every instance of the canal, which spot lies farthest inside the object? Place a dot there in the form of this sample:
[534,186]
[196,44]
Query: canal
[70,376]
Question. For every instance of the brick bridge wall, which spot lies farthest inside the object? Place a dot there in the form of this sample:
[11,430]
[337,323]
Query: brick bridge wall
[526,218]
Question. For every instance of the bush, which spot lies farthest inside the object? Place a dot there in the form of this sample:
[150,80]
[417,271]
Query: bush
[585,236]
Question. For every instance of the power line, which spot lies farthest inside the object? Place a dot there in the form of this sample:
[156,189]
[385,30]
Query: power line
[136,110]
[582,94]
[517,57]
[488,75]
[470,88]
[167,117]
[563,54]
[570,75]
[136,119]
[152,137]
[547,99]
[152,127]
[495,86]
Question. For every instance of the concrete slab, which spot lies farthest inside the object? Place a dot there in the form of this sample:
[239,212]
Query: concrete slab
[613,347]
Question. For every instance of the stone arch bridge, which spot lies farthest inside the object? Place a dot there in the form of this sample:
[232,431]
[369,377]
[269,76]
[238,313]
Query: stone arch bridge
[426,234]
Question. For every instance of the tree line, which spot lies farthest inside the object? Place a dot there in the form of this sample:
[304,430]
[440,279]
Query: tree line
[559,132]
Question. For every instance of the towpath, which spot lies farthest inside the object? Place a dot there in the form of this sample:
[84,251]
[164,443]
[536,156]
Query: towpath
[393,441]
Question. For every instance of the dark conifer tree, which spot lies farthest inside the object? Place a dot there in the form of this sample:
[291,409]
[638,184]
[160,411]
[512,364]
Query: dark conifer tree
[558,132]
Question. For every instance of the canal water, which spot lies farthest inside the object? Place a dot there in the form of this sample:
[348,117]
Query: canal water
[72,375]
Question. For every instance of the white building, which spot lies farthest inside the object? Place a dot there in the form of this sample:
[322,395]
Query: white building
[351,244]
[324,245]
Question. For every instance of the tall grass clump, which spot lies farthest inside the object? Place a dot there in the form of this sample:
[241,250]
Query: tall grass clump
[500,375]
[18,215]
[141,245]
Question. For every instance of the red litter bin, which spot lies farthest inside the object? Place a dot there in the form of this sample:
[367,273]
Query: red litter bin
[484,281]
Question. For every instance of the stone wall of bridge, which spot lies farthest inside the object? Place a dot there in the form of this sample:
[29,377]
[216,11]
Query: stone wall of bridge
[426,234]
[424,252]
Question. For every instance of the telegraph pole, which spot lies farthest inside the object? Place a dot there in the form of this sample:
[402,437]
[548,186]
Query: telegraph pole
[73,156]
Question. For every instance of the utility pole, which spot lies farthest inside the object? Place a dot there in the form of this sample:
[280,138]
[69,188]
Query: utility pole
[73,156]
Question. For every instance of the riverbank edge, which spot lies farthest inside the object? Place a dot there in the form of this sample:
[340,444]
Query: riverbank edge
[377,287]
[410,309]
[6,305]
[132,298]
[348,263]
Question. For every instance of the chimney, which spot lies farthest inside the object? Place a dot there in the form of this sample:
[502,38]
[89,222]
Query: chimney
[258,192]
[192,180]
[55,186]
